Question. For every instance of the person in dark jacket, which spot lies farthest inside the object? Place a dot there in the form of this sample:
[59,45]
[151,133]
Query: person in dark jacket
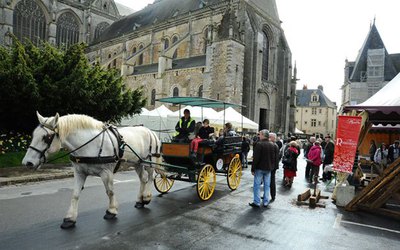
[329,150]
[245,151]
[272,138]
[184,127]
[265,156]
[289,161]
[372,150]
[204,133]
[393,152]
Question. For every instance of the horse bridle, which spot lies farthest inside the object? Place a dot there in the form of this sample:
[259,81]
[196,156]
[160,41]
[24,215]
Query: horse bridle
[48,139]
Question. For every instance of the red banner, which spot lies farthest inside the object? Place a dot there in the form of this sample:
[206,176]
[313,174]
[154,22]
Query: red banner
[347,133]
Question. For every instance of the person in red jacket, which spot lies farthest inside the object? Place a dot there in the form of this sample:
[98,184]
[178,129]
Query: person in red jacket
[314,158]
[289,161]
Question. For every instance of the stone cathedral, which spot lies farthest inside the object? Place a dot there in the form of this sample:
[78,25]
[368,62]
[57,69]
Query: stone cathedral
[60,22]
[231,50]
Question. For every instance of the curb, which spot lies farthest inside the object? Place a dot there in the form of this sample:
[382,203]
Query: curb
[34,178]
[50,174]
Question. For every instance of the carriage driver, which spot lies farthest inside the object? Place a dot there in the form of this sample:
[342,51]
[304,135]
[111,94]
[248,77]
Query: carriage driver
[185,127]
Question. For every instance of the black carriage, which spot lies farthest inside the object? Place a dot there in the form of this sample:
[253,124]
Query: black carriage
[213,158]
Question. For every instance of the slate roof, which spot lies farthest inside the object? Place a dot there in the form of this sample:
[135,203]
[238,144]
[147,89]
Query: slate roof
[373,41]
[303,98]
[157,12]
[192,62]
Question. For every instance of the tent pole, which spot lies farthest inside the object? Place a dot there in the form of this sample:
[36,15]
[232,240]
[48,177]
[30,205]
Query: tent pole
[242,120]
[224,116]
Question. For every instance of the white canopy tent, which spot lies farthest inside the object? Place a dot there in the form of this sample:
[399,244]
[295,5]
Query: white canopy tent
[384,106]
[197,113]
[155,120]
[134,119]
[387,96]
[234,117]
[298,131]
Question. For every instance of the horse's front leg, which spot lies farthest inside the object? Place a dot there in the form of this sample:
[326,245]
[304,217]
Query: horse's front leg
[145,174]
[107,177]
[70,219]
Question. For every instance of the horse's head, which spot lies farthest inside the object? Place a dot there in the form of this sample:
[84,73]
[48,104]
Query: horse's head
[44,141]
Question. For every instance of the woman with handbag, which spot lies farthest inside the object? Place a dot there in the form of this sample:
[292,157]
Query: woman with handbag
[289,161]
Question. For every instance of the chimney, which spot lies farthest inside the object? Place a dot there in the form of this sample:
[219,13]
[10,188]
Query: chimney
[320,87]
[304,86]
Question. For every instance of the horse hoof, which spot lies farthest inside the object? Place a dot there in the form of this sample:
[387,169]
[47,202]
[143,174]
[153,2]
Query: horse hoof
[68,223]
[109,216]
[146,202]
[139,205]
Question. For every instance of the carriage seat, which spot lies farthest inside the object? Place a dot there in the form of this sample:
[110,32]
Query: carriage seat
[229,144]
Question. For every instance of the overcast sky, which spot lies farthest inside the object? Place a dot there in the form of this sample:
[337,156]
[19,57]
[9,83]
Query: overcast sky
[323,33]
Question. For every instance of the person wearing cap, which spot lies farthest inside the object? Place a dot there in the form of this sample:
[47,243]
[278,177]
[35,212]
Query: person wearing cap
[328,157]
[265,157]
[393,152]
[184,127]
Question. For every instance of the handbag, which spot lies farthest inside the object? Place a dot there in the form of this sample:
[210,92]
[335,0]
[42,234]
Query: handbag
[286,159]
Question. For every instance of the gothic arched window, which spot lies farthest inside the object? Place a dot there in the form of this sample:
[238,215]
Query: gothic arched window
[29,22]
[140,56]
[201,91]
[100,29]
[166,43]
[67,30]
[153,97]
[133,50]
[265,60]
[175,92]
[174,39]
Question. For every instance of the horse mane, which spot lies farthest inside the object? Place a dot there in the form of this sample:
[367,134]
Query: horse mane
[70,123]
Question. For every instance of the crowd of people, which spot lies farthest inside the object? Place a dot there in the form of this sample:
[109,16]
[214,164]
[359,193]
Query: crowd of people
[269,150]
[317,152]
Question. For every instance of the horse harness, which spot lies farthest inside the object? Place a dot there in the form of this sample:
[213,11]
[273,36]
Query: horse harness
[103,159]
[116,158]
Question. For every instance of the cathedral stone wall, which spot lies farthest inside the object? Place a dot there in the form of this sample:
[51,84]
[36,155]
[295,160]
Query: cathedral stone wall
[88,15]
[219,49]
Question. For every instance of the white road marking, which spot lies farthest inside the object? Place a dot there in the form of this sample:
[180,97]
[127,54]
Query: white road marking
[339,220]
[124,181]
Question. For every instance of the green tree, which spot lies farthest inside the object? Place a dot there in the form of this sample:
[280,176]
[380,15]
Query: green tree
[51,80]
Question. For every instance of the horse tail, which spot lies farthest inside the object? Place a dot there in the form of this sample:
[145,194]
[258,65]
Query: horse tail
[155,146]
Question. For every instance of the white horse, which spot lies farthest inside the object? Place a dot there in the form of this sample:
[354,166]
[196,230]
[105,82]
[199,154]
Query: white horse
[94,150]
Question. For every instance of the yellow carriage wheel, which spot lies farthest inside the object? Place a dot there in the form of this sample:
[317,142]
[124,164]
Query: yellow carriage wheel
[162,183]
[234,173]
[206,182]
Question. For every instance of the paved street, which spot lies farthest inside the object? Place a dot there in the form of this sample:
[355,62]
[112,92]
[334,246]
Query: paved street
[32,213]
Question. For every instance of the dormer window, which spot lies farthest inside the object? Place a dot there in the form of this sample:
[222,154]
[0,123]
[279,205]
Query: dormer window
[314,97]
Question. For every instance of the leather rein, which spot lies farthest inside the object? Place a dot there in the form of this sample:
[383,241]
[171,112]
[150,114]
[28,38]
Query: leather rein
[48,139]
